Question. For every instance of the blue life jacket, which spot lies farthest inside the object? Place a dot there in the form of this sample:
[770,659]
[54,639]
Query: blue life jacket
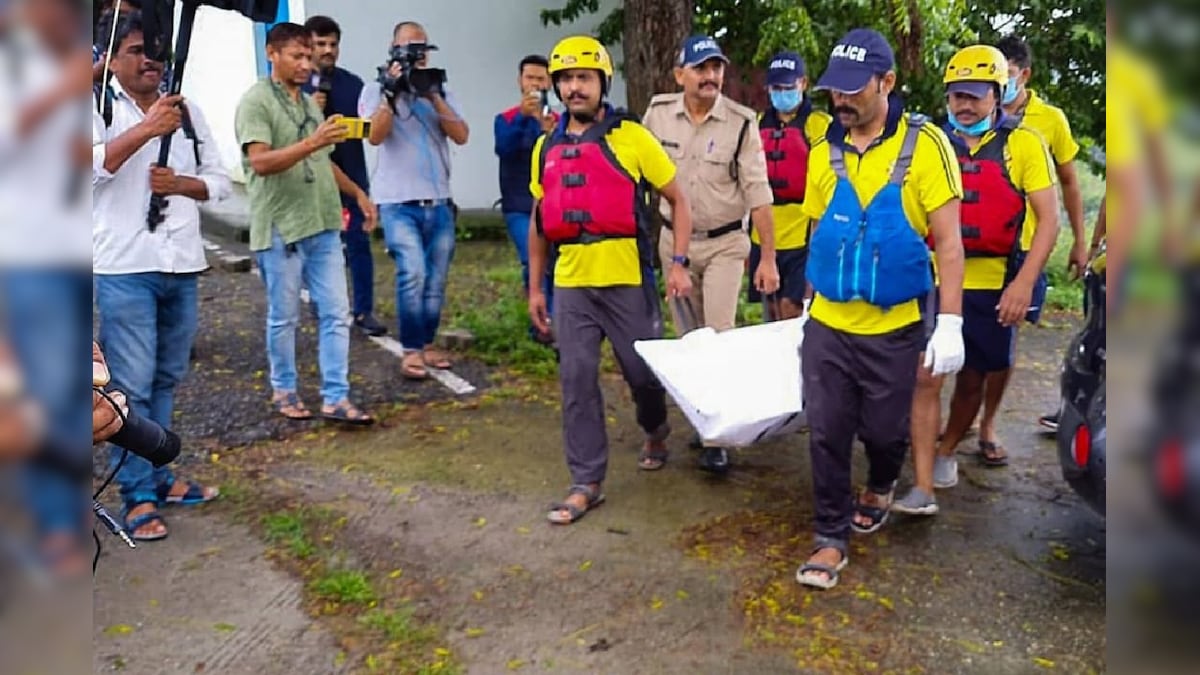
[870,254]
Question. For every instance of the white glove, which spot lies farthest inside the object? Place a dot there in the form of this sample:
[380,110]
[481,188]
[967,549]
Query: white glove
[945,351]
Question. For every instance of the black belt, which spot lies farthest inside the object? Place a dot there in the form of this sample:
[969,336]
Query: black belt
[425,203]
[713,233]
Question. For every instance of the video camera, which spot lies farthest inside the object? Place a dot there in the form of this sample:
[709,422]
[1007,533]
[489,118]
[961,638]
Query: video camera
[413,79]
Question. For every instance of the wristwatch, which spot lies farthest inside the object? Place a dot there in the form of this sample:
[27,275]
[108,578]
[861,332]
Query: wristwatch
[682,260]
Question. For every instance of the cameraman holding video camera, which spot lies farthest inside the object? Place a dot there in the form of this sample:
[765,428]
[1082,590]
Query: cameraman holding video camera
[412,117]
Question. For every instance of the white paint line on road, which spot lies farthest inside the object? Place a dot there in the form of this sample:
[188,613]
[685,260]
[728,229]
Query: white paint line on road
[448,379]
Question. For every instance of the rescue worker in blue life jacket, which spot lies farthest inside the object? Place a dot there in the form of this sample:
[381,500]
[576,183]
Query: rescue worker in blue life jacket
[1009,227]
[588,179]
[878,183]
[788,128]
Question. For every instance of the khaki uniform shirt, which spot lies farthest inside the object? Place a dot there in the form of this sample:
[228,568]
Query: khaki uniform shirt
[704,154]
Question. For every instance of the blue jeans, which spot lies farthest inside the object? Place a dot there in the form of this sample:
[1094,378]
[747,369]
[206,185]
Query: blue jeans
[518,232]
[147,325]
[47,322]
[361,264]
[420,241]
[317,260]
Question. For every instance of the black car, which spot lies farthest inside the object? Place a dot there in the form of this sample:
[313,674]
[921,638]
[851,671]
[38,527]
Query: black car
[1082,426]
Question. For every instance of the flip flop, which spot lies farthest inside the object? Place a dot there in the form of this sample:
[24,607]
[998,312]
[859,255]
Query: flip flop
[594,499]
[436,359]
[988,454]
[652,460]
[412,367]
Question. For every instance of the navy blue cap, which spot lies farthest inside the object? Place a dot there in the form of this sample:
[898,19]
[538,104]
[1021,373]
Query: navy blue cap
[860,55]
[698,49]
[973,88]
[785,68]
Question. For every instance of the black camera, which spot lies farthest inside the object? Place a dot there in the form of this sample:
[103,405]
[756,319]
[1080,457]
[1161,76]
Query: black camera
[412,79]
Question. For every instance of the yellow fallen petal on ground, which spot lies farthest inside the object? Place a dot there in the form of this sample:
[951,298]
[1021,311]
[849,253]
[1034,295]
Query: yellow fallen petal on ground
[682,595]
[395,574]
[478,595]
[656,603]
[523,530]
[1044,663]
[516,664]
[441,652]
[119,629]
[215,457]
[474,632]
[480,522]
[585,566]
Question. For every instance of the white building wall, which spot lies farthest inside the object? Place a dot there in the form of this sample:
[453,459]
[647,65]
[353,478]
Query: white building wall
[480,43]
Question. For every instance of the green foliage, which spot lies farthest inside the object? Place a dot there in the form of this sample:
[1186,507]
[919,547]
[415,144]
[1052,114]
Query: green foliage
[1066,37]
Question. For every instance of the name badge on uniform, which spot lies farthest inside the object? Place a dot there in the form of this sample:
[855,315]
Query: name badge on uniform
[668,144]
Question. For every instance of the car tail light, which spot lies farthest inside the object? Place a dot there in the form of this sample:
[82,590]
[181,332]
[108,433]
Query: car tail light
[1081,446]
[1169,468]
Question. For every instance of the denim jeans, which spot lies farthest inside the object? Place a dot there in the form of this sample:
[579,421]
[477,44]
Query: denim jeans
[147,325]
[518,231]
[361,264]
[46,318]
[317,260]
[420,241]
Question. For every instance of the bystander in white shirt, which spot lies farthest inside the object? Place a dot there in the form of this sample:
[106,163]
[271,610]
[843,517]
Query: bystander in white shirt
[121,239]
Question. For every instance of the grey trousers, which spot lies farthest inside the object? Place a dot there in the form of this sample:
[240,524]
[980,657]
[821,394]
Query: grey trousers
[583,317]
[856,385]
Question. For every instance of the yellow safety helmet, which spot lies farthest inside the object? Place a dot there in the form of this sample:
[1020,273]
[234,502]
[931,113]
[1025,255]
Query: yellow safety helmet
[978,63]
[580,51]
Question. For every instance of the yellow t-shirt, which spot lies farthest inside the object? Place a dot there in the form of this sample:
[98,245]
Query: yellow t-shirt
[610,262]
[1030,169]
[791,225]
[1051,122]
[933,180]
[1138,107]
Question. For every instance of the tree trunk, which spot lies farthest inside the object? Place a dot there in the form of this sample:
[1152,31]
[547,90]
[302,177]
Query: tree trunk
[654,30]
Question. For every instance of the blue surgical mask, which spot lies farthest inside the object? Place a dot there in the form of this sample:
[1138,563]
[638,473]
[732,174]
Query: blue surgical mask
[1011,90]
[786,100]
[978,129]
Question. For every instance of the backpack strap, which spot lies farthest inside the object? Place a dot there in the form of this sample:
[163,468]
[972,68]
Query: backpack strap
[737,151]
[189,131]
[105,98]
[907,148]
[837,158]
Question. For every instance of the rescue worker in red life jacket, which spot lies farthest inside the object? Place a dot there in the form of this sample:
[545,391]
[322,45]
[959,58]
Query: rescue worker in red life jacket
[788,128]
[1009,189]
[586,180]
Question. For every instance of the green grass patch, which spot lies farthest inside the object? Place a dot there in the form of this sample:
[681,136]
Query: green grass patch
[345,587]
[287,528]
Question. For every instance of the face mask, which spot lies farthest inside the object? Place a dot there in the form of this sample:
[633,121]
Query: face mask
[786,100]
[1011,90]
[978,129]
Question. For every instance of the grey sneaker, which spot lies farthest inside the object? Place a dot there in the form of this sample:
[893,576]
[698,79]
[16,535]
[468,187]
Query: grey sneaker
[916,503]
[945,472]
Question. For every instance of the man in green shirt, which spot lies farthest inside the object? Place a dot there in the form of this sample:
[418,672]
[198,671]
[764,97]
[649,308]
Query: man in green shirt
[295,220]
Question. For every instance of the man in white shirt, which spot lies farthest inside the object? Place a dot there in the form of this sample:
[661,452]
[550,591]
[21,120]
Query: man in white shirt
[146,278]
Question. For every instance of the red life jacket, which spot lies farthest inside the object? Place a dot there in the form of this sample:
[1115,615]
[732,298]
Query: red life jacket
[588,196]
[993,208]
[786,149]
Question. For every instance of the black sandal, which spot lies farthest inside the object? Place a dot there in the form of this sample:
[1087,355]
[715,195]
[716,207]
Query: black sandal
[878,515]
[990,454]
[574,513]
[291,401]
[347,413]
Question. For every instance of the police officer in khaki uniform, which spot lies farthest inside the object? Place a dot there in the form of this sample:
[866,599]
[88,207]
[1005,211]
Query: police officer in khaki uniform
[715,144]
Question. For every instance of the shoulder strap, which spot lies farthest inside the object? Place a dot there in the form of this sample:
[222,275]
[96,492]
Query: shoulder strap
[189,131]
[837,159]
[737,151]
[105,97]
[904,161]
